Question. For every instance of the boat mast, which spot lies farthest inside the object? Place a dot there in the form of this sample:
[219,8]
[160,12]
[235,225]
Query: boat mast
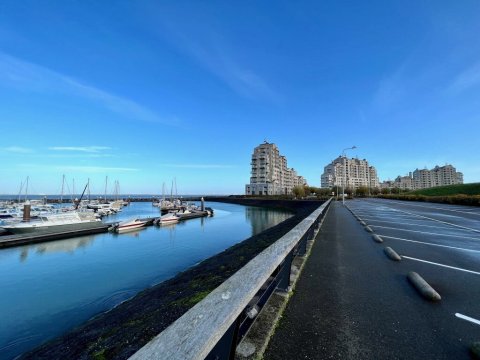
[20,191]
[176,194]
[115,191]
[80,201]
[88,184]
[73,188]
[63,185]
[26,189]
[106,182]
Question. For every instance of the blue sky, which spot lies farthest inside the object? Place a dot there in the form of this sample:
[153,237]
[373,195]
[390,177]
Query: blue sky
[145,91]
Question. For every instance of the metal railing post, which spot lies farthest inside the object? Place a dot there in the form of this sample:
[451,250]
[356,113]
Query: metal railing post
[311,233]
[284,274]
[225,348]
[302,246]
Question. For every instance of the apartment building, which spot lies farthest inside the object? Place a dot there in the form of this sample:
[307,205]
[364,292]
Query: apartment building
[350,173]
[270,174]
[438,176]
[404,182]
[424,178]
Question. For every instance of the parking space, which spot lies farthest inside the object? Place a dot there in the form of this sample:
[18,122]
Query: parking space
[352,301]
[440,242]
[453,215]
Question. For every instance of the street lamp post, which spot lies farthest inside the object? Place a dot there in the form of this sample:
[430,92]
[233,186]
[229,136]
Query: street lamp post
[335,181]
[345,172]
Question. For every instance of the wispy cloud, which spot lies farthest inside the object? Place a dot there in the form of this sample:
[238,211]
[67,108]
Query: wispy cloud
[198,166]
[391,89]
[467,79]
[87,149]
[18,150]
[209,49]
[78,155]
[32,77]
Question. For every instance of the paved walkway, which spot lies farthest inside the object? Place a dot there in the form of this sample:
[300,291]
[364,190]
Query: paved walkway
[352,302]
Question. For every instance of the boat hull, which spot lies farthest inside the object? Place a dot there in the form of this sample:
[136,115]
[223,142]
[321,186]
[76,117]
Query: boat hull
[167,222]
[40,228]
[127,228]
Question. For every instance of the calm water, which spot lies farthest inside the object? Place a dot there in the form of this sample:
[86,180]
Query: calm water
[49,288]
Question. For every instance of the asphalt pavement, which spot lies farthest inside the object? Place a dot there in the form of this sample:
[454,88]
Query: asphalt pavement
[353,302]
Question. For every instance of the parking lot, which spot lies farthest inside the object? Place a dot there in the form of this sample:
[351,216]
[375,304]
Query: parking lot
[352,301]
[440,242]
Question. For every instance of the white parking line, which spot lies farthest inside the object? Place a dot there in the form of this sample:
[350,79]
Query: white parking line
[380,216]
[440,221]
[399,223]
[383,213]
[425,243]
[436,208]
[468,318]
[425,232]
[442,265]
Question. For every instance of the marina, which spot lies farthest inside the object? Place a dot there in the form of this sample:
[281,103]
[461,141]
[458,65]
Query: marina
[64,222]
[51,287]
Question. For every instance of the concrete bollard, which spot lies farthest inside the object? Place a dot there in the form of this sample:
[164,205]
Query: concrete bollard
[423,287]
[377,238]
[392,254]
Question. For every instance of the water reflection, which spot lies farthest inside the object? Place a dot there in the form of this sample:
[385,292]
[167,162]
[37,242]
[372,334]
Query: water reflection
[262,220]
[51,287]
[66,246]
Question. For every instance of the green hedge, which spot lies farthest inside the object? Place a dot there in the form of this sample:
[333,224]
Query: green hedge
[473,200]
[450,190]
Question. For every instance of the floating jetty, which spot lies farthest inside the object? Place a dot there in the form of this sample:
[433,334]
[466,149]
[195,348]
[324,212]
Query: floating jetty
[32,238]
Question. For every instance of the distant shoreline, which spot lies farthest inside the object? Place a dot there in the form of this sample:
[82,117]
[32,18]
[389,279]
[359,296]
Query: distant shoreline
[132,198]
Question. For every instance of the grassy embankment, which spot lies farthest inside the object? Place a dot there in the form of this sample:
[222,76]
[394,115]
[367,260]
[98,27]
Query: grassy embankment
[462,194]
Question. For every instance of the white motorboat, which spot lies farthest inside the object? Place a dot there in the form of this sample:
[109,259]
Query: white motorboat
[53,223]
[170,218]
[129,225]
[9,213]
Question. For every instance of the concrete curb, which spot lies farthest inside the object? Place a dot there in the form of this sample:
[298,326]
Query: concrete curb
[475,350]
[377,238]
[369,229]
[392,254]
[423,287]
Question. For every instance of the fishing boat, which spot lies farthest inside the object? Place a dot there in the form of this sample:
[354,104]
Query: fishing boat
[129,225]
[54,223]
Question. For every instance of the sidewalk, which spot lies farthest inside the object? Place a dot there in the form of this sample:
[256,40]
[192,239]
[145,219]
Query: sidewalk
[351,302]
